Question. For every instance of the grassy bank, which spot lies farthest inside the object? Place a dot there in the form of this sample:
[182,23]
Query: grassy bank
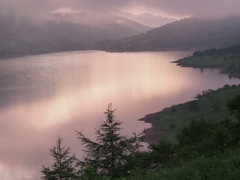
[210,105]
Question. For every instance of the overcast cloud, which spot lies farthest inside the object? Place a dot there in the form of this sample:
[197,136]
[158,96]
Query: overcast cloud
[170,8]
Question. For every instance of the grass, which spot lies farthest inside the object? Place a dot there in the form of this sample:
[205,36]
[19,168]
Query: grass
[211,106]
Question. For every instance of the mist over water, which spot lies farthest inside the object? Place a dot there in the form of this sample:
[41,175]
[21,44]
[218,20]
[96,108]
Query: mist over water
[48,95]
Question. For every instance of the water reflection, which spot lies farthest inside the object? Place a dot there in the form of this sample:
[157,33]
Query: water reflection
[44,96]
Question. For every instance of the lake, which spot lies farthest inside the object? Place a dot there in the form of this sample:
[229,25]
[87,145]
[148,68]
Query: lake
[44,96]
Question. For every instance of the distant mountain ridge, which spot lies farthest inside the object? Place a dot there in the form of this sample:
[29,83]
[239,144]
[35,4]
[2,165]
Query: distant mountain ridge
[61,32]
[184,34]
[147,19]
[119,26]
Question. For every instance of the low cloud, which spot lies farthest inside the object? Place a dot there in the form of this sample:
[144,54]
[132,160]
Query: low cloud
[161,7]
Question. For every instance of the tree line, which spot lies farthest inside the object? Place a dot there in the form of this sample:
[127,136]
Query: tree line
[234,50]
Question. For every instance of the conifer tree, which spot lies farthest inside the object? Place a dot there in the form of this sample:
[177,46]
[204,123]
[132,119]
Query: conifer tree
[64,166]
[108,155]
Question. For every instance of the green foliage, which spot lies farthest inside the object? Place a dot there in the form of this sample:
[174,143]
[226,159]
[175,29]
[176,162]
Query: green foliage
[207,154]
[221,137]
[172,126]
[212,106]
[162,152]
[109,154]
[225,166]
[203,138]
[195,132]
[216,107]
[234,106]
[140,162]
[193,106]
[64,166]
[229,58]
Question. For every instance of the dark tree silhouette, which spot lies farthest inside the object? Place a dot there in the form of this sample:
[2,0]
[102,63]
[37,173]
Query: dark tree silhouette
[64,166]
[109,154]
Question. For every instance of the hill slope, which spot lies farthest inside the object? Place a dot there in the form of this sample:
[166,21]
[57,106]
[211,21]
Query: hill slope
[210,105]
[181,35]
[147,19]
[19,35]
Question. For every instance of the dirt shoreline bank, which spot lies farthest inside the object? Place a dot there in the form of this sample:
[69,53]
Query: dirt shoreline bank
[153,134]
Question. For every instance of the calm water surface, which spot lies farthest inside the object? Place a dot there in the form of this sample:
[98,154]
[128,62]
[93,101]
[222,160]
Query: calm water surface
[44,96]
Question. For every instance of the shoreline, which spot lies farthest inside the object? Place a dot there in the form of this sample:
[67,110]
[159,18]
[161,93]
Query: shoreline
[153,134]
[40,53]
[222,69]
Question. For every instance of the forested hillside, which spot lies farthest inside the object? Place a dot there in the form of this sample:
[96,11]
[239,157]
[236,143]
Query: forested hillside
[209,104]
[189,33]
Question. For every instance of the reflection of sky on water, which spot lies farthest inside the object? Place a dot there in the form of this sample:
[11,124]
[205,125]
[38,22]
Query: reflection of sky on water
[55,94]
